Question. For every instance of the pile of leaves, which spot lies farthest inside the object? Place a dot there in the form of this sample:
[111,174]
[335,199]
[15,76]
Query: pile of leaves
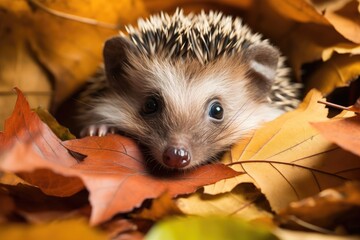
[298,172]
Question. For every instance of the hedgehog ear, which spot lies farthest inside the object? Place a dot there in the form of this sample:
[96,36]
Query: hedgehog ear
[116,58]
[263,62]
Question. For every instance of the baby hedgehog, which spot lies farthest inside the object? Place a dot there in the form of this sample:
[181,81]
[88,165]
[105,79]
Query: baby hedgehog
[187,87]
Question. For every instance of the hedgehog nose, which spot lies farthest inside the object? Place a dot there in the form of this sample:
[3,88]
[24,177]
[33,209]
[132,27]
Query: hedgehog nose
[174,157]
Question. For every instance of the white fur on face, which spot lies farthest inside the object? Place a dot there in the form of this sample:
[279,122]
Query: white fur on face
[186,88]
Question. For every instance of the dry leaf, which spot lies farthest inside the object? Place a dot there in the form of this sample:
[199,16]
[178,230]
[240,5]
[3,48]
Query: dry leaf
[346,20]
[190,5]
[118,180]
[344,132]
[68,50]
[244,201]
[161,207]
[299,10]
[288,159]
[36,207]
[61,132]
[331,208]
[70,229]
[113,169]
[339,71]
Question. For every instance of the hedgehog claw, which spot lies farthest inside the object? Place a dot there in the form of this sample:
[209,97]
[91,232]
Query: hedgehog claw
[97,130]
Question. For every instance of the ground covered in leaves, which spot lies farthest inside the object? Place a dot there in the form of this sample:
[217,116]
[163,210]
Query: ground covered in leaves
[296,177]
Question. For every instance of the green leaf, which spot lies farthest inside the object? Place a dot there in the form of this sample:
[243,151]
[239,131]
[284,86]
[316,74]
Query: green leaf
[210,228]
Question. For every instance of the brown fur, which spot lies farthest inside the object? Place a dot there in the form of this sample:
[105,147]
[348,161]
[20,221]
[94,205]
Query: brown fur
[186,88]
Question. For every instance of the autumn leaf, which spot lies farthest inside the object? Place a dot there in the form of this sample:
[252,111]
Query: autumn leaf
[244,201]
[288,159]
[306,35]
[69,229]
[161,207]
[112,167]
[118,180]
[64,53]
[344,132]
[61,132]
[329,209]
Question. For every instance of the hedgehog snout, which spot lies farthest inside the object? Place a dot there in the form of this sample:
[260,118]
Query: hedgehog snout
[176,157]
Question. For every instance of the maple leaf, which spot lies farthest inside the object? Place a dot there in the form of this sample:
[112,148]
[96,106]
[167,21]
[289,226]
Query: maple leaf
[113,169]
[288,159]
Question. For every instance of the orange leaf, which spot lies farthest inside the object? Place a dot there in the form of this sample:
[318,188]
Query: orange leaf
[344,132]
[113,171]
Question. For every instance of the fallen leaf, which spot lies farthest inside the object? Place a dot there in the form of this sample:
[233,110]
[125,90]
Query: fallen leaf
[64,53]
[161,207]
[113,169]
[346,20]
[331,208]
[70,229]
[244,201]
[60,131]
[211,228]
[299,10]
[344,132]
[118,180]
[36,207]
[339,71]
[288,159]
[27,144]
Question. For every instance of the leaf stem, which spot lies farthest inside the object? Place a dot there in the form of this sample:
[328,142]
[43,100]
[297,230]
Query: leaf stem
[68,16]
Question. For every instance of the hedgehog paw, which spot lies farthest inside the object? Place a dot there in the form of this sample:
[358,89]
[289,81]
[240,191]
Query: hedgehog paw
[97,130]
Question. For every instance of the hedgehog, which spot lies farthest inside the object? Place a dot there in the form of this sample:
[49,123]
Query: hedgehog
[187,87]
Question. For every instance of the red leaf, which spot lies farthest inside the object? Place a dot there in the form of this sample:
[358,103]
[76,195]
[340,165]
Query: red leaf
[114,170]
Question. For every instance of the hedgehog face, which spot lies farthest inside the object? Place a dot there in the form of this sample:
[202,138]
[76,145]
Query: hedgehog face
[188,87]
[186,113]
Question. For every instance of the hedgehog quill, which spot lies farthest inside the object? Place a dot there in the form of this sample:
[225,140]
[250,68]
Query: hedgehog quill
[187,86]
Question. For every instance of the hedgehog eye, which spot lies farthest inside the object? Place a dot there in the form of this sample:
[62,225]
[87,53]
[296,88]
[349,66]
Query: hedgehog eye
[216,111]
[151,105]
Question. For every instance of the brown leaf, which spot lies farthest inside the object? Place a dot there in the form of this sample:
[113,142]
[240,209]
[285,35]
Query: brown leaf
[344,132]
[114,170]
[329,209]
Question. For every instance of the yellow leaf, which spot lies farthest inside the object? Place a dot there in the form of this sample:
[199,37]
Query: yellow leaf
[339,71]
[346,20]
[299,10]
[341,48]
[43,41]
[161,207]
[190,5]
[288,159]
[70,229]
[244,201]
